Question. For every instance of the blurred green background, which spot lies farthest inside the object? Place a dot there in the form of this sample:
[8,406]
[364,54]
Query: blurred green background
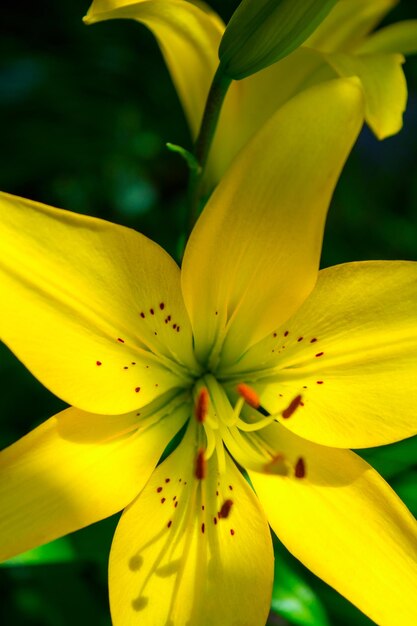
[85,113]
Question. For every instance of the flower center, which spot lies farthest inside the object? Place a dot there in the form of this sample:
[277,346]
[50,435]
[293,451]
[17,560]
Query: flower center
[232,417]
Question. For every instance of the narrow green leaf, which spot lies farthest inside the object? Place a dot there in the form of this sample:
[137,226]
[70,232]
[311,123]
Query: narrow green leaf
[262,32]
[293,598]
[188,157]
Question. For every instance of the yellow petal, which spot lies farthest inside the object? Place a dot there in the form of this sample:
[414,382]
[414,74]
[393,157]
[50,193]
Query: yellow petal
[188,36]
[73,292]
[73,470]
[346,524]
[348,23]
[351,352]
[253,255]
[175,561]
[383,84]
[249,103]
[401,37]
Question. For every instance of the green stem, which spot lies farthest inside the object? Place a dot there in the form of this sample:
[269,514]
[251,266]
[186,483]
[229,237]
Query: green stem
[215,99]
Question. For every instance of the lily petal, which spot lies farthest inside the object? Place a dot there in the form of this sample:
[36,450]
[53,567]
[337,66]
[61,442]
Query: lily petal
[73,470]
[242,268]
[94,310]
[191,551]
[384,86]
[351,353]
[345,523]
[188,36]
[401,37]
[348,23]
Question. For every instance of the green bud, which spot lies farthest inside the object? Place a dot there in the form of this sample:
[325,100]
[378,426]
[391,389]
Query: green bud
[262,32]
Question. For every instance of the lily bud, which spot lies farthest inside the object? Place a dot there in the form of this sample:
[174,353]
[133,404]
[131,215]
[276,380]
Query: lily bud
[261,32]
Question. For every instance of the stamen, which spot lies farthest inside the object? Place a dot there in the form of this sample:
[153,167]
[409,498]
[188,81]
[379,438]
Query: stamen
[225,509]
[201,407]
[292,407]
[249,395]
[300,468]
[200,465]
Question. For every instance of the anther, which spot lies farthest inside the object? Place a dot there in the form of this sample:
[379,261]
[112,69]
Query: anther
[201,407]
[249,395]
[292,407]
[226,508]
[200,465]
[300,468]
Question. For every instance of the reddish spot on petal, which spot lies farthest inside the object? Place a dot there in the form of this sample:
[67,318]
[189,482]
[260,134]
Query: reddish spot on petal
[142,315]
[225,509]
[274,334]
[151,311]
[98,363]
[159,490]
[319,353]
[178,329]
[215,520]
[201,406]
[120,340]
[249,395]
[286,333]
[174,326]
[162,500]
[216,313]
[230,487]
[169,318]
[167,480]
[162,306]
[294,404]
[137,389]
[125,367]
[232,532]
[319,382]
[174,498]
[200,465]
[202,507]
[202,528]
[300,338]
[217,493]
[133,363]
[300,468]
[313,340]
[176,504]
[169,523]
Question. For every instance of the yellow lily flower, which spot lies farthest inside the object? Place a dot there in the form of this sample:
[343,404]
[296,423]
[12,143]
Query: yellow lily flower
[189,35]
[262,360]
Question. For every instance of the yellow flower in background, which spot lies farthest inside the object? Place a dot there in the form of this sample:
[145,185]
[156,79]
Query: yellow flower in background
[264,361]
[189,35]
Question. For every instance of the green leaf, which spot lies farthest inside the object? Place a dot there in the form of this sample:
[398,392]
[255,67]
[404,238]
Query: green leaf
[392,459]
[262,32]
[293,598]
[406,488]
[188,157]
[59,551]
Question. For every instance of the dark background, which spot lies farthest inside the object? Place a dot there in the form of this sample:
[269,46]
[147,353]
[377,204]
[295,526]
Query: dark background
[84,115]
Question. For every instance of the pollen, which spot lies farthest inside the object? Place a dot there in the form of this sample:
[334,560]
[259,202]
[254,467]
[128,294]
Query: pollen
[202,404]
[200,465]
[249,395]
[292,407]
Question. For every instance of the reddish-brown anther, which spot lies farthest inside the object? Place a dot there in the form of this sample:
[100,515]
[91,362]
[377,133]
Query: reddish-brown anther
[225,510]
[249,395]
[200,465]
[202,404]
[292,407]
